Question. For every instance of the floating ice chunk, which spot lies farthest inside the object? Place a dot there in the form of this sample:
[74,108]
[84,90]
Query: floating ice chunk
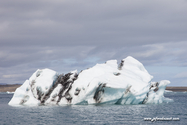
[108,83]
[168,91]
[9,92]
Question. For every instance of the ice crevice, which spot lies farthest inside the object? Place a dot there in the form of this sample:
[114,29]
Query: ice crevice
[108,83]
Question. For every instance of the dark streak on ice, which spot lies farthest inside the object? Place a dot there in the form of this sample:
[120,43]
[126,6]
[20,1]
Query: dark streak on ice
[99,92]
[66,82]
[77,91]
[127,91]
[47,95]
[39,93]
[117,74]
[121,65]
[32,87]
[156,89]
[147,95]
[25,98]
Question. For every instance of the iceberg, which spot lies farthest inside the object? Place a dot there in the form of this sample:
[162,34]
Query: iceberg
[110,83]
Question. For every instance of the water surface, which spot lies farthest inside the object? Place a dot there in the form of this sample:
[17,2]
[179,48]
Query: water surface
[94,114]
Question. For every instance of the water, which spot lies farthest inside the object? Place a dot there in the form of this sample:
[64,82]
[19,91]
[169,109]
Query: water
[94,114]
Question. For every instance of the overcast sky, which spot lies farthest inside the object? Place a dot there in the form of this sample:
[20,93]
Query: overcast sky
[65,35]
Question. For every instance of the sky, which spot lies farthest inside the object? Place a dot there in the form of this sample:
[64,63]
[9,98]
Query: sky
[66,35]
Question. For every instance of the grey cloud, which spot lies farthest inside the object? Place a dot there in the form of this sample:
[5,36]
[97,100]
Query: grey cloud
[44,33]
[92,22]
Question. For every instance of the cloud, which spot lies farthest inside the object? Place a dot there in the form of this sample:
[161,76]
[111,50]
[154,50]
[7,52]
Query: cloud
[43,33]
[181,75]
[90,22]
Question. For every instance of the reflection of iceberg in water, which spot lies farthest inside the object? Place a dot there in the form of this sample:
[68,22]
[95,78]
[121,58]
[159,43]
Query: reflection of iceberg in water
[109,83]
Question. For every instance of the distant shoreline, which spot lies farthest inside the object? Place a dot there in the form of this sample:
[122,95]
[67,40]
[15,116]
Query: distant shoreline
[12,88]
[9,88]
[176,89]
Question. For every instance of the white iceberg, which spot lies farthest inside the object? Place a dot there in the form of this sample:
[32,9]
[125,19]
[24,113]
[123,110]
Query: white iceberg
[109,83]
